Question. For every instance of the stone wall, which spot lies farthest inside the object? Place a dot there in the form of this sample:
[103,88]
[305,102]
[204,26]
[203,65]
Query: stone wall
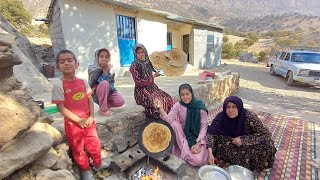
[56,31]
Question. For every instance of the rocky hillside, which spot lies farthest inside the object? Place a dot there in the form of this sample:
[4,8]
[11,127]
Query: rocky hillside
[208,10]
[289,22]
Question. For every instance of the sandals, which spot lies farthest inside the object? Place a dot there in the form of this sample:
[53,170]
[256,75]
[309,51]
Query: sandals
[106,113]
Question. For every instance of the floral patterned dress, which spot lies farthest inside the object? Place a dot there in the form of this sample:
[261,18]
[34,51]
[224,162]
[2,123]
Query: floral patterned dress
[146,91]
[256,153]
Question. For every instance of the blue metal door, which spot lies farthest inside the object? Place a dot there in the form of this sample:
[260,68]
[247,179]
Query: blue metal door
[126,31]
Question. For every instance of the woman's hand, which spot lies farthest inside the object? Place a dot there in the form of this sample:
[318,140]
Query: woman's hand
[237,141]
[156,74]
[157,104]
[210,157]
[195,149]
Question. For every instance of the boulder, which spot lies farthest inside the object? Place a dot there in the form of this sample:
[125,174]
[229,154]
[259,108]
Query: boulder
[53,132]
[45,162]
[23,151]
[18,112]
[21,41]
[64,161]
[48,174]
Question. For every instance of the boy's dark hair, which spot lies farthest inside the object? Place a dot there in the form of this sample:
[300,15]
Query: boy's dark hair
[65,52]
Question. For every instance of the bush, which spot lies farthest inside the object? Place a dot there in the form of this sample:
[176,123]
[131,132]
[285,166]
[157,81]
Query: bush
[15,13]
[262,56]
[225,39]
[228,51]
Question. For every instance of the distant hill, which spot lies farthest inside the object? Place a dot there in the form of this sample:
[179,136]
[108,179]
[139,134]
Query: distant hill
[290,22]
[212,11]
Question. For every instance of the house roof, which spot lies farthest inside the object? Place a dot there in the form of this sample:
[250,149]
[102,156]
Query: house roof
[167,15]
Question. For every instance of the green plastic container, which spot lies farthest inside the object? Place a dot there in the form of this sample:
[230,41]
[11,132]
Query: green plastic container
[51,109]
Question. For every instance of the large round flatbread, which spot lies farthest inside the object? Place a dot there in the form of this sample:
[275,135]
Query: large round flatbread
[156,137]
[172,71]
[178,57]
[158,60]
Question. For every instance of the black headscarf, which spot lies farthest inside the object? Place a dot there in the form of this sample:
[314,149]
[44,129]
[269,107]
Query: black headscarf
[223,125]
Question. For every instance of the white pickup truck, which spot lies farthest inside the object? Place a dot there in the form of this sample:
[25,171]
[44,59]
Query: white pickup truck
[296,65]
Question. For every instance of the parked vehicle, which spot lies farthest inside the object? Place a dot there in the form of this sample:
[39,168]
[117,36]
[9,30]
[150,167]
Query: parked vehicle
[296,65]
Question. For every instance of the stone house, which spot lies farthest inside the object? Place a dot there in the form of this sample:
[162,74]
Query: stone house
[83,26]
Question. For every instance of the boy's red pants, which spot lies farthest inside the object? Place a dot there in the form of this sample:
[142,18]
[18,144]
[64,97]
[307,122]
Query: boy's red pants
[78,139]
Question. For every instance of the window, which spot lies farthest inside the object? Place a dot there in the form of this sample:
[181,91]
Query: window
[126,27]
[287,57]
[283,55]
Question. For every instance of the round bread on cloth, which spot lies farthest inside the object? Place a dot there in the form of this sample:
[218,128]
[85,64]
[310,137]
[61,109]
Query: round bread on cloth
[156,137]
[158,60]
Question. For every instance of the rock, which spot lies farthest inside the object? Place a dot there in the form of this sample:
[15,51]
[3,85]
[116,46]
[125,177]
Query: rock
[48,174]
[22,174]
[23,151]
[9,84]
[18,112]
[29,75]
[64,161]
[117,176]
[53,132]
[22,42]
[7,61]
[45,117]
[45,162]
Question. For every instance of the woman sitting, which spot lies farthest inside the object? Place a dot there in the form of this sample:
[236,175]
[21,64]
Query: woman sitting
[101,80]
[189,120]
[237,136]
[145,90]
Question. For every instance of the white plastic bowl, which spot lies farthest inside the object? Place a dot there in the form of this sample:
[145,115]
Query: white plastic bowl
[208,172]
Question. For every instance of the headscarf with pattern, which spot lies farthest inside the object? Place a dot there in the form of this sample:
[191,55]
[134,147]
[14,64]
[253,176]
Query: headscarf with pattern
[94,70]
[147,67]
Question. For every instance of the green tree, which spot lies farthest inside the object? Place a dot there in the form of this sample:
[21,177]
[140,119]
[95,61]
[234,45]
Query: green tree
[15,13]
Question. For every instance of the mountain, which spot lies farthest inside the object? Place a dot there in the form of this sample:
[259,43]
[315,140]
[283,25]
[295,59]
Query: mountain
[212,11]
[219,10]
[228,13]
[289,22]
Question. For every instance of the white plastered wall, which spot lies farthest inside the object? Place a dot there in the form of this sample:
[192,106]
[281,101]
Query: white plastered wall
[152,32]
[88,27]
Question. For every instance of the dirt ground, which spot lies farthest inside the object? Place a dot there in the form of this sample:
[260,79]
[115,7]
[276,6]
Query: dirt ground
[262,91]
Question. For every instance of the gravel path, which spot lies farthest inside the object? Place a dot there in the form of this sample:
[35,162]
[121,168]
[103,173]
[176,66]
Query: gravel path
[261,90]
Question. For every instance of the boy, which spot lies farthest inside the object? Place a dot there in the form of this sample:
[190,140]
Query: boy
[73,98]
